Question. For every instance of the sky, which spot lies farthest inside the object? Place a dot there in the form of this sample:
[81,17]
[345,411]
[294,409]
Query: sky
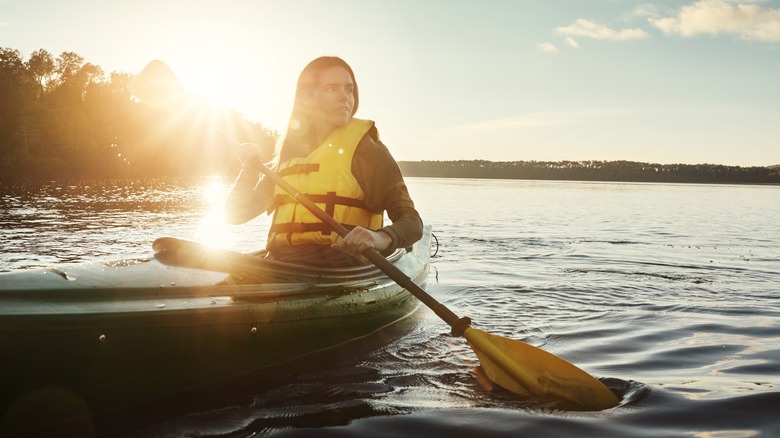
[688,81]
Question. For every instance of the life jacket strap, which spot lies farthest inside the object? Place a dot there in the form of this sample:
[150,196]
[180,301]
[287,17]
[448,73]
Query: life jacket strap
[297,169]
[330,200]
[299,227]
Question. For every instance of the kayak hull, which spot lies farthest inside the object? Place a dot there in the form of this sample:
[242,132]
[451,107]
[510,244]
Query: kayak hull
[116,334]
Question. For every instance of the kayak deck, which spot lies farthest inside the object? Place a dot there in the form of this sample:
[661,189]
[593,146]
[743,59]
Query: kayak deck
[118,333]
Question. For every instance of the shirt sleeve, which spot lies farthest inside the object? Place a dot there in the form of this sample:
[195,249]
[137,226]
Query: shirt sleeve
[250,196]
[379,176]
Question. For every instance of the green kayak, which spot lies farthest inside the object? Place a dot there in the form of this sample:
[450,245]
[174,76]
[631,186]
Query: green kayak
[118,333]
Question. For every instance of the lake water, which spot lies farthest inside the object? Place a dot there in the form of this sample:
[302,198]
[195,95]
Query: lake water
[667,292]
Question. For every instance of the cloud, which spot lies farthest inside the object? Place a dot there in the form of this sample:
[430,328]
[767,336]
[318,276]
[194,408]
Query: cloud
[588,29]
[643,10]
[547,47]
[571,42]
[745,19]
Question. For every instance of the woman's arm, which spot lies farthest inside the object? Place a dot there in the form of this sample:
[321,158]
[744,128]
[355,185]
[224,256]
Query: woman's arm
[380,178]
[251,193]
[250,196]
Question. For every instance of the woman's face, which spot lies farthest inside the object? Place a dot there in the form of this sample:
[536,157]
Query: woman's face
[333,98]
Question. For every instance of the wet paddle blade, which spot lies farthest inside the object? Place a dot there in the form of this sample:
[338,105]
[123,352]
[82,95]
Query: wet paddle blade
[533,372]
[158,87]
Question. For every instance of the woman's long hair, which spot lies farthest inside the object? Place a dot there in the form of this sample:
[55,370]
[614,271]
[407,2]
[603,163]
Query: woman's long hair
[299,135]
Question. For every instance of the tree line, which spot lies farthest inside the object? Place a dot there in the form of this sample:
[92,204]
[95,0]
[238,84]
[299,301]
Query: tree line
[628,171]
[63,117]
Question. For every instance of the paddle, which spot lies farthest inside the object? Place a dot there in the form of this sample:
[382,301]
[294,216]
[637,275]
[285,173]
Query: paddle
[513,365]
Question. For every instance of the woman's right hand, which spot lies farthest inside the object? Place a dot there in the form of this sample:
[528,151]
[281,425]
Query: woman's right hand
[251,153]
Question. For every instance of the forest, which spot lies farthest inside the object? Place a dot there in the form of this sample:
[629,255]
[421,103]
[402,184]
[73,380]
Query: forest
[63,117]
[627,171]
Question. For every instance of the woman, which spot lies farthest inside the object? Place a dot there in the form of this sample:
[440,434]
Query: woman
[338,162]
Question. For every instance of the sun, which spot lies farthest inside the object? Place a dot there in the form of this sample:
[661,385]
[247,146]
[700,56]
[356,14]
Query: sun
[230,80]
[208,72]
[210,85]
[215,93]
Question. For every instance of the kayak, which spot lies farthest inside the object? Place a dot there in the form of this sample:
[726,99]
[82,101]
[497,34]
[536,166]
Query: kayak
[118,333]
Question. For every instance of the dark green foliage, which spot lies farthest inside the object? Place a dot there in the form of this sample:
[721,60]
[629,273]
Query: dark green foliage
[628,171]
[64,117]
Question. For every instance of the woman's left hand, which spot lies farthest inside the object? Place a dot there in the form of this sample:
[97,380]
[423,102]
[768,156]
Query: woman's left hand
[360,239]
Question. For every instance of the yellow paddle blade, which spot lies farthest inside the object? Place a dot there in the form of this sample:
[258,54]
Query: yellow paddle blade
[533,372]
[158,87]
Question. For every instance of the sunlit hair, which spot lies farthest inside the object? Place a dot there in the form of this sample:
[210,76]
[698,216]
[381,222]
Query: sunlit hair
[298,128]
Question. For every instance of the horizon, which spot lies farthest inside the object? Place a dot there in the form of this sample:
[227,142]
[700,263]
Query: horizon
[662,82]
[771,166]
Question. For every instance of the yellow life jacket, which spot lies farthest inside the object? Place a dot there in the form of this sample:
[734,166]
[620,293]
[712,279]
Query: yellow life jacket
[325,177]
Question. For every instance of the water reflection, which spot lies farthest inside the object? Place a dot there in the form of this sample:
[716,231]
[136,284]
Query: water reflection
[61,222]
[212,229]
[661,290]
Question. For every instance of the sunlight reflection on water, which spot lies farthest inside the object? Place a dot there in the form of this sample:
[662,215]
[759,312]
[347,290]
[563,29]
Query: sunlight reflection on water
[54,222]
[212,229]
